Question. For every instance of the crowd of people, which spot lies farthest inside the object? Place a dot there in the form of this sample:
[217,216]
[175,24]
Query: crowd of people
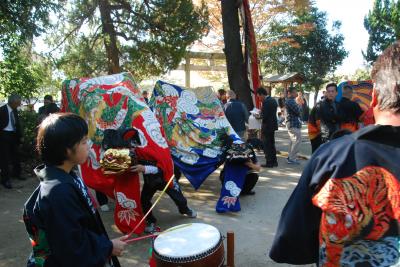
[345,208]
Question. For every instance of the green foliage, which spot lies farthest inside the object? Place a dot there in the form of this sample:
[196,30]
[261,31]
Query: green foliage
[150,37]
[78,52]
[361,75]
[24,19]
[29,122]
[304,45]
[383,26]
[28,75]
[17,74]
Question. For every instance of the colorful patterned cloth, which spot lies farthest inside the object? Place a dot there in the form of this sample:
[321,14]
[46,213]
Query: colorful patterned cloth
[195,126]
[234,176]
[113,102]
[362,92]
[345,209]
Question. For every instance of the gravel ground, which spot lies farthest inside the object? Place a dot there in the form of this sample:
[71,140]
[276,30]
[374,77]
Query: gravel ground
[254,226]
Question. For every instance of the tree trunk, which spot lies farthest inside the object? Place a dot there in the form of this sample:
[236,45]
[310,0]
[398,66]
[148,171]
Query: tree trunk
[237,73]
[110,38]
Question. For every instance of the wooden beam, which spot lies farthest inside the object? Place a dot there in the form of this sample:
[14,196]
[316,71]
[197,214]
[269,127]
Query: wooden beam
[203,55]
[201,68]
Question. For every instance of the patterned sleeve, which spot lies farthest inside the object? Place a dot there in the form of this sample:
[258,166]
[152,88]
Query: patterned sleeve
[314,128]
[349,206]
[336,225]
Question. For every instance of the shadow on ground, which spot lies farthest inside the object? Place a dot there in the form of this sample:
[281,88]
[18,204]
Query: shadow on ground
[254,226]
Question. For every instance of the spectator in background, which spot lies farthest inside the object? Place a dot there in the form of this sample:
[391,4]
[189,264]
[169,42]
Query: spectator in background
[350,111]
[323,95]
[302,102]
[281,105]
[268,127]
[10,139]
[293,124]
[345,209]
[48,107]
[145,96]
[236,113]
[324,118]
[222,96]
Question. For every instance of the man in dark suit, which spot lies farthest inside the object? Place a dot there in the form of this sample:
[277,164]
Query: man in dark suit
[10,138]
[48,108]
[269,126]
[236,113]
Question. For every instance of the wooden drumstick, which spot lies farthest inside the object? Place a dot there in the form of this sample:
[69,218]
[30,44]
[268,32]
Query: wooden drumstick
[152,207]
[156,234]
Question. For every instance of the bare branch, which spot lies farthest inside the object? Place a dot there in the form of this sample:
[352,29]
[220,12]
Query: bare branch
[84,17]
[128,7]
[66,37]
[96,37]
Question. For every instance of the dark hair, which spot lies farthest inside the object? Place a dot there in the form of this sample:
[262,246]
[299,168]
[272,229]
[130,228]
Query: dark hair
[262,91]
[48,97]
[292,89]
[58,132]
[221,91]
[331,85]
[386,75]
[13,98]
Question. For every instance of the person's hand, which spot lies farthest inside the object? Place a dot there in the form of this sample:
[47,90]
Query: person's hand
[118,245]
[248,164]
[253,166]
[137,168]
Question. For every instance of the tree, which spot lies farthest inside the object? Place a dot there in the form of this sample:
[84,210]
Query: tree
[237,75]
[383,26]
[24,19]
[361,75]
[228,20]
[312,49]
[145,37]
[25,74]
[17,74]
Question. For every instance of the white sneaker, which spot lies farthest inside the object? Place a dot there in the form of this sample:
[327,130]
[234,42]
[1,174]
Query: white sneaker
[191,213]
[104,208]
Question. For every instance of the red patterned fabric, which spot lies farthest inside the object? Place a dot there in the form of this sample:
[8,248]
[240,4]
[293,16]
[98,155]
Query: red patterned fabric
[114,102]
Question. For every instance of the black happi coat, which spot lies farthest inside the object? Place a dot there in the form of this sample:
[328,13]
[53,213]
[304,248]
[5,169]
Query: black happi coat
[65,228]
[297,237]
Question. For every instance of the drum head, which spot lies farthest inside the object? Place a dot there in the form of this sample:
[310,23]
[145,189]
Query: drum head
[187,240]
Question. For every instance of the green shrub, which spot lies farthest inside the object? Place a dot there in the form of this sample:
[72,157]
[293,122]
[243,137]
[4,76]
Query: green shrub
[29,121]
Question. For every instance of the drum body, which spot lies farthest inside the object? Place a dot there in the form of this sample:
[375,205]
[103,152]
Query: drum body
[191,245]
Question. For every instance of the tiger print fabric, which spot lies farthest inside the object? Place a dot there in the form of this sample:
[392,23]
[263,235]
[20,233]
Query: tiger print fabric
[360,218]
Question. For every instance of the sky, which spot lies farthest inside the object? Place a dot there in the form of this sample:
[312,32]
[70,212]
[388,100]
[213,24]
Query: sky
[351,13]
